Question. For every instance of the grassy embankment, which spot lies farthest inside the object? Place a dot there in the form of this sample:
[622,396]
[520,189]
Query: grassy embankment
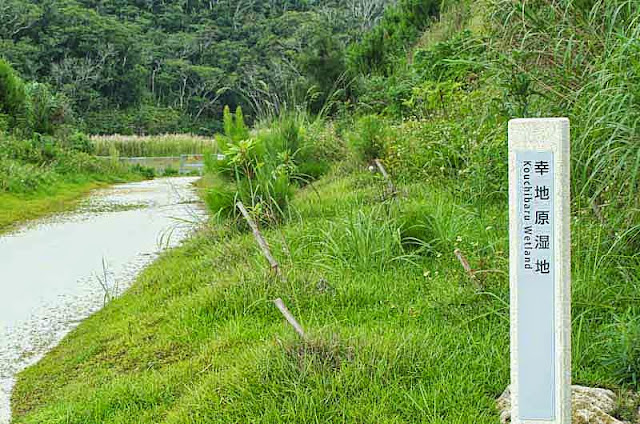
[398,331]
[38,180]
[18,208]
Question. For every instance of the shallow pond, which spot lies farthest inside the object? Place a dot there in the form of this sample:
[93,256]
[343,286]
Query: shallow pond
[57,271]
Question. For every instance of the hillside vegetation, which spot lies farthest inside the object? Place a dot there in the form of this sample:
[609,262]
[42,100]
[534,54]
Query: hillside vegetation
[46,164]
[398,332]
[133,66]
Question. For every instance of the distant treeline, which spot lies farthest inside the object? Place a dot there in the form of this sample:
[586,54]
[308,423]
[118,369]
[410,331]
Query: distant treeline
[132,66]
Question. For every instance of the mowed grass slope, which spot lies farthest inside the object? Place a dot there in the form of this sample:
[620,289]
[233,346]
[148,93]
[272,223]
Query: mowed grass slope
[398,332]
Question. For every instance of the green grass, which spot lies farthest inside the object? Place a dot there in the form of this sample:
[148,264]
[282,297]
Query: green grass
[18,208]
[398,332]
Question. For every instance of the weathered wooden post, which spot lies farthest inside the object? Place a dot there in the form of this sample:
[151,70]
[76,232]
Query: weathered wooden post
[262,243]
[540,271]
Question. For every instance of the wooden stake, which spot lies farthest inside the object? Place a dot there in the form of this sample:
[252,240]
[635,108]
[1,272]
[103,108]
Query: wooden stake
[386,176]
[290,318]
[465,264]
[261,241]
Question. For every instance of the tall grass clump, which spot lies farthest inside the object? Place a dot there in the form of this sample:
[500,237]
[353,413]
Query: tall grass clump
[623,343]
[13,96]
[364,240]
[261,168]
[582,59]
[367,140]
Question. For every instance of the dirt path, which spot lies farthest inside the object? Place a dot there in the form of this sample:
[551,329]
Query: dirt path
[56,272]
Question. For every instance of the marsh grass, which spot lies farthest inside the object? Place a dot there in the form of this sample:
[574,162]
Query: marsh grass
[152,146]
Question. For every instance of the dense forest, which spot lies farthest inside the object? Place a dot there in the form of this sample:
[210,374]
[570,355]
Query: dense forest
[134,66]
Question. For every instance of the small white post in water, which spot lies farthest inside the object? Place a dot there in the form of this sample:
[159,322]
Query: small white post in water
[540,270]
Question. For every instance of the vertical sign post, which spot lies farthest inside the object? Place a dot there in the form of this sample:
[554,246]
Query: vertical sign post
[540,271]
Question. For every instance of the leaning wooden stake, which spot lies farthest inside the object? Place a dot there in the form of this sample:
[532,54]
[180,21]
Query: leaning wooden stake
[290,318]
[386,176]
[258,236]
[465,264]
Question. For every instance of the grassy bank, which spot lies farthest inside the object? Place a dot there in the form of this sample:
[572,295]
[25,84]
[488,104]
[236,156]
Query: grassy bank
[40,175]
[29,191]
[17,208]
[398,331]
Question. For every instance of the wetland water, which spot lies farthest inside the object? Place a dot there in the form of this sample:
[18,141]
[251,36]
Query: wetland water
[55,272]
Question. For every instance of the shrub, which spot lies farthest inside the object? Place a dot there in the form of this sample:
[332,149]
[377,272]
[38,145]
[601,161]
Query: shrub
[17,177]
[235,128]
[382,48]
[220,197]
[263,168]
[13,96]
[48,111]
[368,138]
[80,142]
[145,171]
[459,59]
[170,171]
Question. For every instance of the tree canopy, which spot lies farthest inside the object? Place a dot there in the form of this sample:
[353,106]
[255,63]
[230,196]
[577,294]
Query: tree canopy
[124,63]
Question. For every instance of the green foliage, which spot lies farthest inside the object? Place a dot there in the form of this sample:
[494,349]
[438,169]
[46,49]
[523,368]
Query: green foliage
[583,64]
[166,145]
[170,171]
[80,142]
[382,48]
[263,169]
[384,321]
[235,129]
[320,148]
[13,96]
[19,177]
[378,273]
[623,349]
[136,67]
[432,97]
[459,58]
[145,171]
[43,162]
[364,241]
[323,61]
[368,138]
[261,175]
[48,111]
[143,119]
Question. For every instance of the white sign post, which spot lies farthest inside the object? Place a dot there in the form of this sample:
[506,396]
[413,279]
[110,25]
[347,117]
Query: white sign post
[540,271]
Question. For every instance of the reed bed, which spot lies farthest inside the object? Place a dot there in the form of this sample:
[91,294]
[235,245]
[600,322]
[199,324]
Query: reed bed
[156,145]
